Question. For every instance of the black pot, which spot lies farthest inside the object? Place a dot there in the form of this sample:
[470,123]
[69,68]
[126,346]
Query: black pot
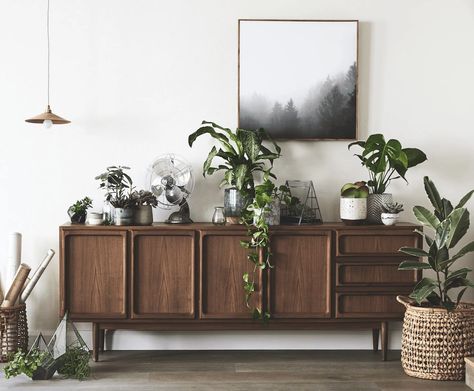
[77,218]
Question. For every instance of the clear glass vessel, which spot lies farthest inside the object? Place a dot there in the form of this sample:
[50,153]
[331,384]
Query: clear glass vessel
[218,218]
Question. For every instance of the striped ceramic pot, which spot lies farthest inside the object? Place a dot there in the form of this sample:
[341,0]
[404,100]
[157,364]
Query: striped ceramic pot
[374,206]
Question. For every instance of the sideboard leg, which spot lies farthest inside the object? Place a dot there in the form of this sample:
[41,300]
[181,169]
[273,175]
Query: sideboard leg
[384,332]
[102,340]
[95,341]
[375,339]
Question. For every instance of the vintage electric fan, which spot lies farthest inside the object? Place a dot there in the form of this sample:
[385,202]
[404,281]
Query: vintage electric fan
[172,181]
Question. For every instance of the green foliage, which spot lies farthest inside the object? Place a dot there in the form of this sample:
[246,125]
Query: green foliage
[118,186]
[392,207]
[242,153]
[386,161]
[450,225]
[76,363]
[355,190]
[144,197]
[81,206]
[22,362]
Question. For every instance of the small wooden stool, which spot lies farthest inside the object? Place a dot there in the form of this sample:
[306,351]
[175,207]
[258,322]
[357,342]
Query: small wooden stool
[469,372]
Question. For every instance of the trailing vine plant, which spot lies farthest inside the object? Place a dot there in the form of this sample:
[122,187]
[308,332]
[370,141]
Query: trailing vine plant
[243,156]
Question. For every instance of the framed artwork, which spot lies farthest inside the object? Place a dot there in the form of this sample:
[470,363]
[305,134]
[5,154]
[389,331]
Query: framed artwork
[298,78]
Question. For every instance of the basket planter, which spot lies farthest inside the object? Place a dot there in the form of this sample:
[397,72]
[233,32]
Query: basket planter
[435,341]
[13,331]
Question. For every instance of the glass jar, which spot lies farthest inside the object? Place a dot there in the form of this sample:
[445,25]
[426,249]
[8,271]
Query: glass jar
[218,218]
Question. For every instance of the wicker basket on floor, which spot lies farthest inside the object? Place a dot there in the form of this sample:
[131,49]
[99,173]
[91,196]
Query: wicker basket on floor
[13,331]
[435,341]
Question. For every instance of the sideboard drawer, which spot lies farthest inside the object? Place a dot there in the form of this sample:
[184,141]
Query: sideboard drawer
[368,305]
[370,274]
[371,242]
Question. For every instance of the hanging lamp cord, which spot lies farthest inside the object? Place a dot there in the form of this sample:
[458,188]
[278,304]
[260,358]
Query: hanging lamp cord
[47,37]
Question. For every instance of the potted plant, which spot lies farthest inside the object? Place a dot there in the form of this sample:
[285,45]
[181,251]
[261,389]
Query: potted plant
[78,211]
[242,155]
[438,329]
[391,213]
[145,201]
[119,189]
[353,204]
[385,161]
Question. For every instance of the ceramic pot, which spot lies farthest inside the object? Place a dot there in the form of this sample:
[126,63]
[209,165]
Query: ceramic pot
[77,218]
[272,216]
[123,216]
[374,206]
[390,218]
[143,215]
[95,218]
[353,210]
[234,204]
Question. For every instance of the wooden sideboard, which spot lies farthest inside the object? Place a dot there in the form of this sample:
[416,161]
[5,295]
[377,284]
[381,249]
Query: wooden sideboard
[189,277]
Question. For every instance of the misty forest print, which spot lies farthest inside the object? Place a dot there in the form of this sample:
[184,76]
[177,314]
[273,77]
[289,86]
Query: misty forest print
[298,79]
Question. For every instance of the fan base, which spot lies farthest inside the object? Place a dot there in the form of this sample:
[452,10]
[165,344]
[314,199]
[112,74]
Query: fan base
[178,218]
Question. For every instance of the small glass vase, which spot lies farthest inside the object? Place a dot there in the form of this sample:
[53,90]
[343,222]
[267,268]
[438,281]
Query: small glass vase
[218,218]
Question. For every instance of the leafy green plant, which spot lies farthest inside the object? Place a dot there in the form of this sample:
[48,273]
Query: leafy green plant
[118,186]
[22,362]
[355,190]
[81,206]
[144,197]
[449,224]
[392,207]
[76,363]
[386,161]
[242,155]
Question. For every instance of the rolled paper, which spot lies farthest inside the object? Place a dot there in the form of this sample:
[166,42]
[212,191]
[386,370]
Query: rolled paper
[36,276]
[1,295]
[15,288]
[13,257]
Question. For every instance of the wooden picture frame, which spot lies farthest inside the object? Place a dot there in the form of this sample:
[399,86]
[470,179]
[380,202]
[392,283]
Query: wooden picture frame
[296,93]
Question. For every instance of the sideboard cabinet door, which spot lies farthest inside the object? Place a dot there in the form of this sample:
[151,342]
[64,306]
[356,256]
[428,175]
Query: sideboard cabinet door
[300,281]
[223,263]
[162,274]
[93,274]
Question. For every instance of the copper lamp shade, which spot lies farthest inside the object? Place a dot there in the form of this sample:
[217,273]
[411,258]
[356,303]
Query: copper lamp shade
[48,115]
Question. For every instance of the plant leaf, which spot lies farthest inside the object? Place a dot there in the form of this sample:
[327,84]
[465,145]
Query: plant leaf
[413,265]
[433,194]
[464,199]
[425,217]
[416,252]
[459,219]
[423,289]
[465,250]
[208,161]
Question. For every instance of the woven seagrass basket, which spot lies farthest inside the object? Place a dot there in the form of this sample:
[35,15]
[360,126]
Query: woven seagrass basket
[435,341]
[13,331]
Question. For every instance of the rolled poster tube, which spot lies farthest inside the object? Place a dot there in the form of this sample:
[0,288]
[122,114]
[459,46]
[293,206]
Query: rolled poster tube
[36,276]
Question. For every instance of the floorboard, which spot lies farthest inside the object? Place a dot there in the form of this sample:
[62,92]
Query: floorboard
[240,370]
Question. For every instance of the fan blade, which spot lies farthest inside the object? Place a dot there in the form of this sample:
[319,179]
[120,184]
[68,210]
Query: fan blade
[174,195]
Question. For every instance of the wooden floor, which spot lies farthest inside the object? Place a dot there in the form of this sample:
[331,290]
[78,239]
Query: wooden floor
[240,370]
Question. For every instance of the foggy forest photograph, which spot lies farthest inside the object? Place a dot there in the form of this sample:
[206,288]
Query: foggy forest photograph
[298,79]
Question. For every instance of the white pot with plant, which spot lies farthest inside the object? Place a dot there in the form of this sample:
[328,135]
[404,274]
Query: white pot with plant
[353,203]
[145,201]
[438,328]
[385,162]
[119,189]
[391,213]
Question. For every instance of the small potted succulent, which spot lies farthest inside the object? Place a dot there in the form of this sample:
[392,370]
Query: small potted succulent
[391,212]
[353,204]
[119,189]
[145,202]
[78,211]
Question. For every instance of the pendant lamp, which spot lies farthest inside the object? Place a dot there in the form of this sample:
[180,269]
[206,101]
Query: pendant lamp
[48,118]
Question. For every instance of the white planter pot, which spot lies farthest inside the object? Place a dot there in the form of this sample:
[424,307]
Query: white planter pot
[143,215]
[353,210]
[123,216]
[390,218]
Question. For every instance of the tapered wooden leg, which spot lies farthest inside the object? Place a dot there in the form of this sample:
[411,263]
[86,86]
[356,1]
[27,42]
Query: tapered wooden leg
[95,341]
[375,339]
[102,340]
[384,335]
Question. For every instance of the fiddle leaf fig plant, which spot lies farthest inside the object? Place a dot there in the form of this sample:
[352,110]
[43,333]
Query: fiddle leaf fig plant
[449,225]
[386,160]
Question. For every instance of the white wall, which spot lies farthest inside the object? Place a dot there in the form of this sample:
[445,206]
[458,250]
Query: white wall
[136,77]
